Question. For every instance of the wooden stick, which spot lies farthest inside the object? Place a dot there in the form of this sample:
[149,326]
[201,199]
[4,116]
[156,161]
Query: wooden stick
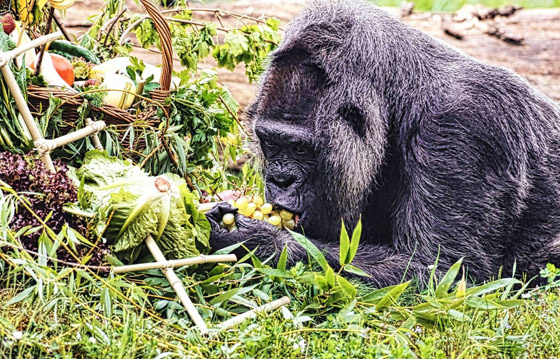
[176,263]
[60,26]
[43,47]
[10,55]
[177,286]
[94,138]
[46,146]
[269,307]
[24,110]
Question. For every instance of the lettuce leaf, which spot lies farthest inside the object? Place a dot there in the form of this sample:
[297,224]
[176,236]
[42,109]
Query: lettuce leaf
[130,205]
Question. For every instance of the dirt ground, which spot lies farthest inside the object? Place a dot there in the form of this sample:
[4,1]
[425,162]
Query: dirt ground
[537,58]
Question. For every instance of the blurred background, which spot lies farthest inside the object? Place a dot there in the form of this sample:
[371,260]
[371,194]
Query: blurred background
[523,35]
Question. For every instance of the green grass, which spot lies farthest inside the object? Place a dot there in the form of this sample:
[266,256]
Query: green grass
[73,313]
[49,310]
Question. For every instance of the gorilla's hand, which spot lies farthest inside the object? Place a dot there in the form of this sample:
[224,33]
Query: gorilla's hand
[253,232]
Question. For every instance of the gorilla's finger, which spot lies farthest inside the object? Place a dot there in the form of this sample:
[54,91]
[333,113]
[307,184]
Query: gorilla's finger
[218,211]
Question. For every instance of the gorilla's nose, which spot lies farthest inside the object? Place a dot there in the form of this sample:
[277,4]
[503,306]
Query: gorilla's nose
[283,179]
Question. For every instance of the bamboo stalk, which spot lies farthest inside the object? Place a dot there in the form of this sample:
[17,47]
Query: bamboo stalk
[269,307]
[94,138]
[205,207]
[176,263]
[177,286]
[10,55]
[45,146]
[24,110]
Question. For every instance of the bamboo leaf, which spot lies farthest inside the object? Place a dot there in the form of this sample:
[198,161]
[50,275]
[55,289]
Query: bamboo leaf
[355,242]
[311,249]
[392,296]
[447,280]
[344,245]
[283,259]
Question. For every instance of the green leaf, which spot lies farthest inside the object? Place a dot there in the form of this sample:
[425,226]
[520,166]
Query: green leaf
[329,274]
[458,316]
[311,249]
[106,302]
[482,303]
[271,272]
[282,261]
[448,279]
[491,287]
[355,242]
[355,270]
[344,245]
[348,288]
[21,296]
[392,295]
[225,296]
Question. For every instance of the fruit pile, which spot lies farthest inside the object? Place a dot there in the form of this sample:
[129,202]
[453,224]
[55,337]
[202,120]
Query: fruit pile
[253,206]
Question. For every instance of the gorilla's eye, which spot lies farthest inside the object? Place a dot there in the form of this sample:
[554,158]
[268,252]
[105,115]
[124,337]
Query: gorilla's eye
[300,149]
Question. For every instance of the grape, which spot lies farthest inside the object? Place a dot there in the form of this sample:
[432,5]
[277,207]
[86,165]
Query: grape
[289,224]
[228,218]
[253,206]
[286,215]
[266,208]
[275,220]
[258,200]
[241,203]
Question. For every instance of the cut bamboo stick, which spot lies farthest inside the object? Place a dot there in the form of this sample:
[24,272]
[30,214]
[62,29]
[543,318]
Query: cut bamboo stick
[94,138]
[45,146]
[253,313]
[10,55]
[177,285]
[24,110]
[176,263]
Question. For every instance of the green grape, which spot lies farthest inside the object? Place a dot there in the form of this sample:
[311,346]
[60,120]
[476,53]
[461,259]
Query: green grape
[275,220]
[228,218]
[251,207]
[286,215]
[258,200]
[241,203]
[266,208]
[289,224]
[258,215]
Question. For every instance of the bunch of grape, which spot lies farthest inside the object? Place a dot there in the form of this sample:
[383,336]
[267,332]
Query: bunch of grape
[253,206]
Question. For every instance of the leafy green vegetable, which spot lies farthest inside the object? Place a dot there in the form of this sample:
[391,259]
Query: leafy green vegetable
[130,205]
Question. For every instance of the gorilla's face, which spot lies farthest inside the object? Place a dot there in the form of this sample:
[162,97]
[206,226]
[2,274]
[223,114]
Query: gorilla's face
[285,123]
[291,166]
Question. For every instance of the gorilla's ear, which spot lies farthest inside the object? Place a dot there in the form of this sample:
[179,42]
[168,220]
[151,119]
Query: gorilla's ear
[354,116]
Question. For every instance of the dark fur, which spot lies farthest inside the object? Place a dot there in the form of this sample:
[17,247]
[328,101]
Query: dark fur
[359,114]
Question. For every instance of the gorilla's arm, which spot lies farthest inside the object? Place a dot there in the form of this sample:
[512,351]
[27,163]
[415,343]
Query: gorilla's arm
[384,265]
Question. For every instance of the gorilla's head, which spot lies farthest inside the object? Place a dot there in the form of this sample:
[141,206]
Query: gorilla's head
[317,121]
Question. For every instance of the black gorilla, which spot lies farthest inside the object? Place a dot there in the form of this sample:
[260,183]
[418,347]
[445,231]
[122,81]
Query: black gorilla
[359,114]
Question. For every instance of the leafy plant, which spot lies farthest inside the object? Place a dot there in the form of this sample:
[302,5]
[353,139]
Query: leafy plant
[127,205]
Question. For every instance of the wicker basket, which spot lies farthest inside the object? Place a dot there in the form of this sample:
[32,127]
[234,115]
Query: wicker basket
[39,96]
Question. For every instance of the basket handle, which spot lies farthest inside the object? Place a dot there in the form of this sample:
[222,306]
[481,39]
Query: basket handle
[162,28]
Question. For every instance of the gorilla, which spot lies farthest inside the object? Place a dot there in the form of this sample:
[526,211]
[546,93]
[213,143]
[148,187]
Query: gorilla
[441,156]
